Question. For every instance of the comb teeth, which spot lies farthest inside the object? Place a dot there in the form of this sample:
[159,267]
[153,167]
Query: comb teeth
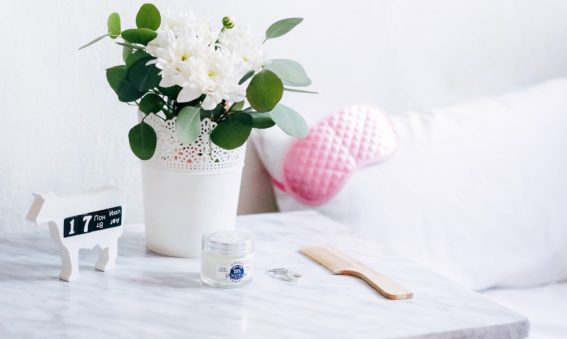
[328,258]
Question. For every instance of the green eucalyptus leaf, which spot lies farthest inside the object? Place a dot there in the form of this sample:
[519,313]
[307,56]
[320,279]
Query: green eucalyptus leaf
[148,17]
[246,77]
[233,131]
[282,27]
[151,103]
[237,106]
[289,121]
[188,124]
[137,56]
[213,114]
[171,92]
[117,78]
[139,35]
[261,120]
[290,71]
[95,40]
[143,140]
[113,25]
[299,90]
[126,51]
[144,77]
[264,91]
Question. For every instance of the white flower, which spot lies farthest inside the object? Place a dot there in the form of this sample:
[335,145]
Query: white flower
[182,43]
[175,21]
[246,44]
[218,79]
[205,62]
[176,57]
[183,24]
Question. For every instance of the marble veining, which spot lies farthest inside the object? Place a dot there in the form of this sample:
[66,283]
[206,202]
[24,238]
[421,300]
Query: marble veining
[151,296]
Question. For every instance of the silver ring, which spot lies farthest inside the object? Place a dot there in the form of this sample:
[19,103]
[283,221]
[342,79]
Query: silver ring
[284,274]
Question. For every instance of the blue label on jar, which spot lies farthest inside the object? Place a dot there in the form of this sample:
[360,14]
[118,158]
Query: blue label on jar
[236,273]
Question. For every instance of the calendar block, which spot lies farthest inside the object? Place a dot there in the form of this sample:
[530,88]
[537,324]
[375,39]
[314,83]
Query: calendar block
[87,220]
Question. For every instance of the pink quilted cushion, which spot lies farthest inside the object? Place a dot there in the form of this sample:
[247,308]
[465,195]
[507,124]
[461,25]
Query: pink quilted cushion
[316,167]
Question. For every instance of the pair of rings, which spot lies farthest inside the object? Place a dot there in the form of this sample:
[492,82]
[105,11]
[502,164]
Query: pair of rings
[284,274]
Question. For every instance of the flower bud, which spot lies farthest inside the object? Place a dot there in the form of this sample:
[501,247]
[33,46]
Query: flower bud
[227,22]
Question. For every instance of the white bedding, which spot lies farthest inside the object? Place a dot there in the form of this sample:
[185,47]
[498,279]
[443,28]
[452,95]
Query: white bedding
[545,307]
[470,183]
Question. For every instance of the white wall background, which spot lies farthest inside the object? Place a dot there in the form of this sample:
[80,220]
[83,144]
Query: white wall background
[63,130]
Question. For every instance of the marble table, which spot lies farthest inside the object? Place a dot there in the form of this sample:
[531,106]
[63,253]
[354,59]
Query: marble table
[151,296]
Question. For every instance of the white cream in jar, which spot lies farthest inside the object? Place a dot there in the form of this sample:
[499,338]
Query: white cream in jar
[227,258]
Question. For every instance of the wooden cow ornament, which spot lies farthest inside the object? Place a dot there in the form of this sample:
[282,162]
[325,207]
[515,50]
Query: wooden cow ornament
[86,220]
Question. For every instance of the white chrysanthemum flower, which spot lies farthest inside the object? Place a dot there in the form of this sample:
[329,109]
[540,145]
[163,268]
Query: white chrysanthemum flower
[245,43]
[203,62]
[218,79]
[175,21]
[176,57]
[183,24]
[179,47]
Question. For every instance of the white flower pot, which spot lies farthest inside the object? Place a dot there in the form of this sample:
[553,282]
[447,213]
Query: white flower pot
[188,190]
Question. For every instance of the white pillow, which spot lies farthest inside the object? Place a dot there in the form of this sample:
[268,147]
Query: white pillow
[477,191]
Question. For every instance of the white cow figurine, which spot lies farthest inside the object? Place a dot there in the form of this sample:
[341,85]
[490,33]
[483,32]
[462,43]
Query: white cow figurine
[82,221]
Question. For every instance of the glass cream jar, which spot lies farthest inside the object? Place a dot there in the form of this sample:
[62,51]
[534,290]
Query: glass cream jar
[227,258]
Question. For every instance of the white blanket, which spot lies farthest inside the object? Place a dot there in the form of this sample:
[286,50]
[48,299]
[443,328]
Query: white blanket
[545,307]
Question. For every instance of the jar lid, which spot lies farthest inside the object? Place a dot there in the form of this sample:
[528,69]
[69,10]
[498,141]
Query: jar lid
[229,242]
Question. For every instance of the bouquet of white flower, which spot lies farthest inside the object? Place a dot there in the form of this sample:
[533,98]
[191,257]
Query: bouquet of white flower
[179,67]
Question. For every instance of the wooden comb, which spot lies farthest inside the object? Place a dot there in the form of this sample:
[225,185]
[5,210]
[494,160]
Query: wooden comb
[339,263]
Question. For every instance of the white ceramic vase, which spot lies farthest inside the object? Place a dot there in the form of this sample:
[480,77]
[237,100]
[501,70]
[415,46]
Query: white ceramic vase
[189,189]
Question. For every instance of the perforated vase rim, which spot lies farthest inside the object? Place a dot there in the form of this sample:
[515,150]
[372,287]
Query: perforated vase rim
[199,157]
